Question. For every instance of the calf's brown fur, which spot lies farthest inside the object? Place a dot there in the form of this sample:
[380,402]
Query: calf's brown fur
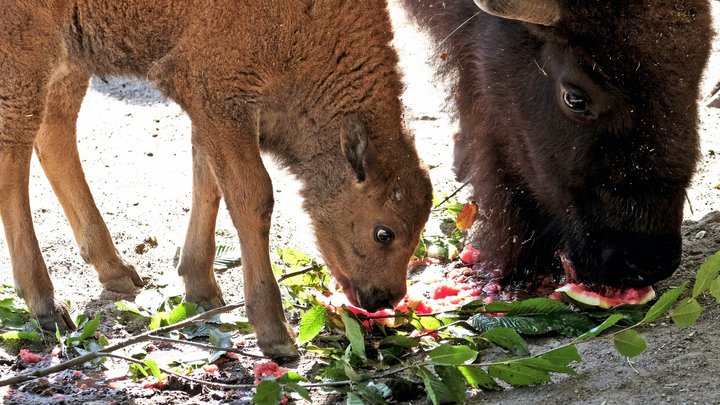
[312,82]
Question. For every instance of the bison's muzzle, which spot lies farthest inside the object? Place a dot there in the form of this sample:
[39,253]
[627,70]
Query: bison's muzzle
[623,259]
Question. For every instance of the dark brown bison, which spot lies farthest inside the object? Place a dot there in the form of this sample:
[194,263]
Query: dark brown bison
[578,128]
[314,83]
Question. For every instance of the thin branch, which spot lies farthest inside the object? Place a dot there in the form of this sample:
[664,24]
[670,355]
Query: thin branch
[206,346]
[294,274]
[182,376]
[451,195]
[123,343]
[221,385]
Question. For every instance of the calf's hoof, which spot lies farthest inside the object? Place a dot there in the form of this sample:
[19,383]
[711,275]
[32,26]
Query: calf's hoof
[58,317]
[125,281]
[278,343]
[281,353]
[206,295]
[207,303]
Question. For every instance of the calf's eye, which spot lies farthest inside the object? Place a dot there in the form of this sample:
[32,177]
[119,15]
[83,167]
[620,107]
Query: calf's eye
[383,235]
[574,101]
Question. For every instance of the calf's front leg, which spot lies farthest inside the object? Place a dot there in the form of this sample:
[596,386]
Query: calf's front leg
[32,281]
[234,158]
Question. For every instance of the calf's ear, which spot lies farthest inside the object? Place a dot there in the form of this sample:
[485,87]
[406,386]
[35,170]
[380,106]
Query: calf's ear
[355,145]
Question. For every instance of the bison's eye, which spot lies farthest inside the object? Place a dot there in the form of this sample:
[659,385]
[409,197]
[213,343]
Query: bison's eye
[383,235]
[574,101]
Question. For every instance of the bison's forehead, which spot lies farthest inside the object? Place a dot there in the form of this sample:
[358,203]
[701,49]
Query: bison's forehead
[649,43]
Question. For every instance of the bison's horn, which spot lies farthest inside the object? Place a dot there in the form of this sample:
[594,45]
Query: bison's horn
[542,12]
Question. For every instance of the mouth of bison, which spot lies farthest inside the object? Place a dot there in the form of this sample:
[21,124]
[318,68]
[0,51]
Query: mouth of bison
[608,295]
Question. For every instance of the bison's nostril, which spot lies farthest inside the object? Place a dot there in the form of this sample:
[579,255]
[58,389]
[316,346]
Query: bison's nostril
[637,261]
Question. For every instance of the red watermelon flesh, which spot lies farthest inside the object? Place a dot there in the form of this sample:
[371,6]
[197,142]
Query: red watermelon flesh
[607,297]
[600,295]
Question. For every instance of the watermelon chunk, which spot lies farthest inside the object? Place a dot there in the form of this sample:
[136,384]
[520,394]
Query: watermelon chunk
[606,297]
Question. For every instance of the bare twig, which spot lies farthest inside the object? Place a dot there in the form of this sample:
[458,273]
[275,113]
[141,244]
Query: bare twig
[206,346]
[294,274]
[451,195]
[221,385]
[124,343]
[182,376]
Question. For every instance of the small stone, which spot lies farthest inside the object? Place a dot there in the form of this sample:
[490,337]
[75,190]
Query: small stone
[700,235]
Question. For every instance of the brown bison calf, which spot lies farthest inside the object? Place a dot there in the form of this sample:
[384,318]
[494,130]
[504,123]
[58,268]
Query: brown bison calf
[314,83]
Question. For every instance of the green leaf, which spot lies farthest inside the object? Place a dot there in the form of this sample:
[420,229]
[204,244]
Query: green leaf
[103,340]
[353,399]
[291,377]
[137,370]
[88,330]
[436,390]
[531,306]
[369,394]
[300,390]
[715,289]
[507,339]
[546,365]
[478,378]
[131,307]
[179,313]
[19,334]
[268,392]
[629,343]
[568,324]
[707,273]
[219,338]
[686,313]
[311,323]
[226,258]
[158,320]
[91,327]
[183,311]
[454,380]
[399,341]
[664,303]
[11,317]
[430,322]
[350,372]
[607,323]
[447,355]
[518,375]
[292,257]
[562,356]
[354,334]
[154,368]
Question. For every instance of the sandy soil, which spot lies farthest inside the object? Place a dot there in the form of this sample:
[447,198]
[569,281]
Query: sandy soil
[135,147]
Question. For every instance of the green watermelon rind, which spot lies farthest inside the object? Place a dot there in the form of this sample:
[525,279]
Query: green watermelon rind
[592,299]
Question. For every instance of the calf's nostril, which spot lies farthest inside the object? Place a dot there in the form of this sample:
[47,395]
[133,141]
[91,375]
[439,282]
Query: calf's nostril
[375,299]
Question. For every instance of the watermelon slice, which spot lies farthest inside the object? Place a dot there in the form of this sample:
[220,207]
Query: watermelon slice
[606,297]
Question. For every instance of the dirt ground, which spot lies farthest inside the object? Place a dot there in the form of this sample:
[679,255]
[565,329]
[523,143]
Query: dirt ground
[135,147]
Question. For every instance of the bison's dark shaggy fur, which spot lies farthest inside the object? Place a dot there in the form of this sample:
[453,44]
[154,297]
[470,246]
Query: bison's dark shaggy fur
[578,138]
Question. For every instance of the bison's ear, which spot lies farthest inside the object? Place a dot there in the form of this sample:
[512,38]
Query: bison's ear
[355,145]
[541,12]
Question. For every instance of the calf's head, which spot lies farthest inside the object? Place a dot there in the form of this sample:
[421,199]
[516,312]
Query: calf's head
[368,229]
[601,105]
